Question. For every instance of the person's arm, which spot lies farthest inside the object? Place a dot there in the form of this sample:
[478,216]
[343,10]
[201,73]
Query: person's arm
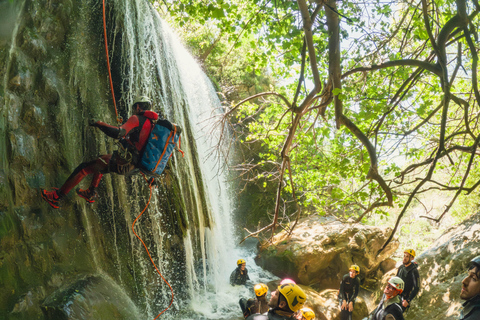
[232,277]
[246,273]
[117,132]
[341,293]
[416,285]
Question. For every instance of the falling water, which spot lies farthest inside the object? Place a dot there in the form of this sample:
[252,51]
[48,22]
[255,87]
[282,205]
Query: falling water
[153,58]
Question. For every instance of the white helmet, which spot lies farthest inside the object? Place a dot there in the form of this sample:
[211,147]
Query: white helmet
[397,283]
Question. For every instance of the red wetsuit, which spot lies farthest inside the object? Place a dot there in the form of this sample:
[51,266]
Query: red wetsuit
[130,133]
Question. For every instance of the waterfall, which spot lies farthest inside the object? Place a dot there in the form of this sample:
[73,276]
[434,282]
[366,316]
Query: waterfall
[152,55]
[54,79]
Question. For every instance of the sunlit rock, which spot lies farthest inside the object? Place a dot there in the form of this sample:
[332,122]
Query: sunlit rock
[442,268]
[321,250]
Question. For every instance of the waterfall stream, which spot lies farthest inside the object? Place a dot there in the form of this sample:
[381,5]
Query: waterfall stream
[82,260]
[194,104]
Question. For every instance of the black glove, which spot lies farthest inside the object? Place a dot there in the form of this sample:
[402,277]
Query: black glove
[92,123]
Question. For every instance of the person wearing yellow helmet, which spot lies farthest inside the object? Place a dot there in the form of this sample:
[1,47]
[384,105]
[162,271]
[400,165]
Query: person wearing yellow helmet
[257,305]
[284,302]
[348,292]
[390,307]
[409,274]
[306,314]
[239,276]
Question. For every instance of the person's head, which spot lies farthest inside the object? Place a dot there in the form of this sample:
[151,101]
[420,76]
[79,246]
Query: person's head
[306,314]
[394,287]
[471,283]
[241,264]
[260,289]
[354,270]
[288,297]
[286,280]
[141,103]
[408,256]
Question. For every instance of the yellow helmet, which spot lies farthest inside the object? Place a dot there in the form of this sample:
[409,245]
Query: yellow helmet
[410,251]
[294,295]
[307,313]
[240,261]
[260,289]
[355,268]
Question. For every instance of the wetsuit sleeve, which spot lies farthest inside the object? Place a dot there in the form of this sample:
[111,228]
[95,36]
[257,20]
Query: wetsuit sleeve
[341,293]
[356,288]
[416,284]
[111,131]
[232,277]
[246,273]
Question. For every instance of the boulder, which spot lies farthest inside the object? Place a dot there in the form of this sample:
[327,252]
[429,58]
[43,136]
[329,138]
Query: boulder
[320,251]
[442,268]
[92,297]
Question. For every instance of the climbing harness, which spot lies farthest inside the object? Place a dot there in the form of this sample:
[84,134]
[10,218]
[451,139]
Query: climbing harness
[150,182]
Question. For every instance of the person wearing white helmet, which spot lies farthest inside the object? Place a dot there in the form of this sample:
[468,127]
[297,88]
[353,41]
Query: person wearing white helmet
[348,292]
[471,292]
[132,135]
[284,302]
[239,276]
[257,305]
[390,307]
[409,274]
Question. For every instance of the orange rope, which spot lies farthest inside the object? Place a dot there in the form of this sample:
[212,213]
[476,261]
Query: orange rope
[119,120]
[148,252]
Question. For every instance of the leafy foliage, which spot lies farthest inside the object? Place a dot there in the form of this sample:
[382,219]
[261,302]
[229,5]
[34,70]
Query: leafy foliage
[377,102]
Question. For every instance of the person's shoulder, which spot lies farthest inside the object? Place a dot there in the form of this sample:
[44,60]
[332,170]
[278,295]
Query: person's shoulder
[346,276]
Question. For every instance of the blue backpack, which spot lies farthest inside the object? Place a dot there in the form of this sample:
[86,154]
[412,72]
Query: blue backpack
[159,147]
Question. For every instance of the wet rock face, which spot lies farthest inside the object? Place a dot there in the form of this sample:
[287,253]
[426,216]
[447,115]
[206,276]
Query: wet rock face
[320,251]
[92,297]
[53,79]
[442,268]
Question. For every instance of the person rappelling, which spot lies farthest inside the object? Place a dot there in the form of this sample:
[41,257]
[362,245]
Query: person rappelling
[145,142]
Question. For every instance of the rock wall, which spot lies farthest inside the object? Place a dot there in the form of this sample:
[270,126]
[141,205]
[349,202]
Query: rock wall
[442,268]
[54,79]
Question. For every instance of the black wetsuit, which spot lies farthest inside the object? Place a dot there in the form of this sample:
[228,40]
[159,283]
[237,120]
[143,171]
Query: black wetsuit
[349,288]
[391,307]
[471,309]
[239,278]
[251,306]
[270,315]
[410,276]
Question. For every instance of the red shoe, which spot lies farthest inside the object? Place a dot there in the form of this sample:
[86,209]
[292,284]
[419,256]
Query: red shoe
[88,194]
[52,197]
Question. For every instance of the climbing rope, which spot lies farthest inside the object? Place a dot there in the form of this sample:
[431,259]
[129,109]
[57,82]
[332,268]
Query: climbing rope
[119,120]
[148,252]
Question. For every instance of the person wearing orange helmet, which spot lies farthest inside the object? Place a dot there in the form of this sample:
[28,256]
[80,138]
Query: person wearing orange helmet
[390,307]
[239,276]
[348,292]
[409,274]
[257,305]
